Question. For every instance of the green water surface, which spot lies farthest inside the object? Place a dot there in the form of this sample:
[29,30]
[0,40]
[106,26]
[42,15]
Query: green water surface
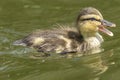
[20,17]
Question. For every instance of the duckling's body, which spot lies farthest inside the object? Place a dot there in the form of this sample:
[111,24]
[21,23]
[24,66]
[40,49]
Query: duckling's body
[81,38]
[62,40]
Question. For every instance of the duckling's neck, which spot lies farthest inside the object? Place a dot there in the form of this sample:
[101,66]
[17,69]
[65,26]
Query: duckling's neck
[93,39]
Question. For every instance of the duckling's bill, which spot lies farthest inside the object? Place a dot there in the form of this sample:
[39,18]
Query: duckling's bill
[104,24]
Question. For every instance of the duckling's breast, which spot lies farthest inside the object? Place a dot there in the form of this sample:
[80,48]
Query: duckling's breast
[92,44]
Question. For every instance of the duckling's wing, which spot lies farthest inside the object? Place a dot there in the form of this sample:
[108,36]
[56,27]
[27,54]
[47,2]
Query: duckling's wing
[56,40]
[44,42]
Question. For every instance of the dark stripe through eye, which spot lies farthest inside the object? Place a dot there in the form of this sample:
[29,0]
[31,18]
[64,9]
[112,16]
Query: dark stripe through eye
[92,19]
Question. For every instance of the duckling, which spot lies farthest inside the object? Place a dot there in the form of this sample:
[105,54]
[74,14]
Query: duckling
[81,38]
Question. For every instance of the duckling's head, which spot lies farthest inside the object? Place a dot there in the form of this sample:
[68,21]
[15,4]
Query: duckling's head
[90,21]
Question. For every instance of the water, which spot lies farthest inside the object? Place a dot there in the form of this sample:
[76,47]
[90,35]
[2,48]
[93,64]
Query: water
[20,17]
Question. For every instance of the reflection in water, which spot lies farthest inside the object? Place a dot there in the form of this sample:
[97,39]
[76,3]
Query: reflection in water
[55,68]
[99,64]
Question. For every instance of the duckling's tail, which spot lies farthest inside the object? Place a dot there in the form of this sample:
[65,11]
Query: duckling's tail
[19,42]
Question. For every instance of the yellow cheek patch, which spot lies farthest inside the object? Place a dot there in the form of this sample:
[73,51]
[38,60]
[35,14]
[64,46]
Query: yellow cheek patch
[88,26]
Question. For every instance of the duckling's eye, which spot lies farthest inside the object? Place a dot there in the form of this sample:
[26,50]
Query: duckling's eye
[92,19]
